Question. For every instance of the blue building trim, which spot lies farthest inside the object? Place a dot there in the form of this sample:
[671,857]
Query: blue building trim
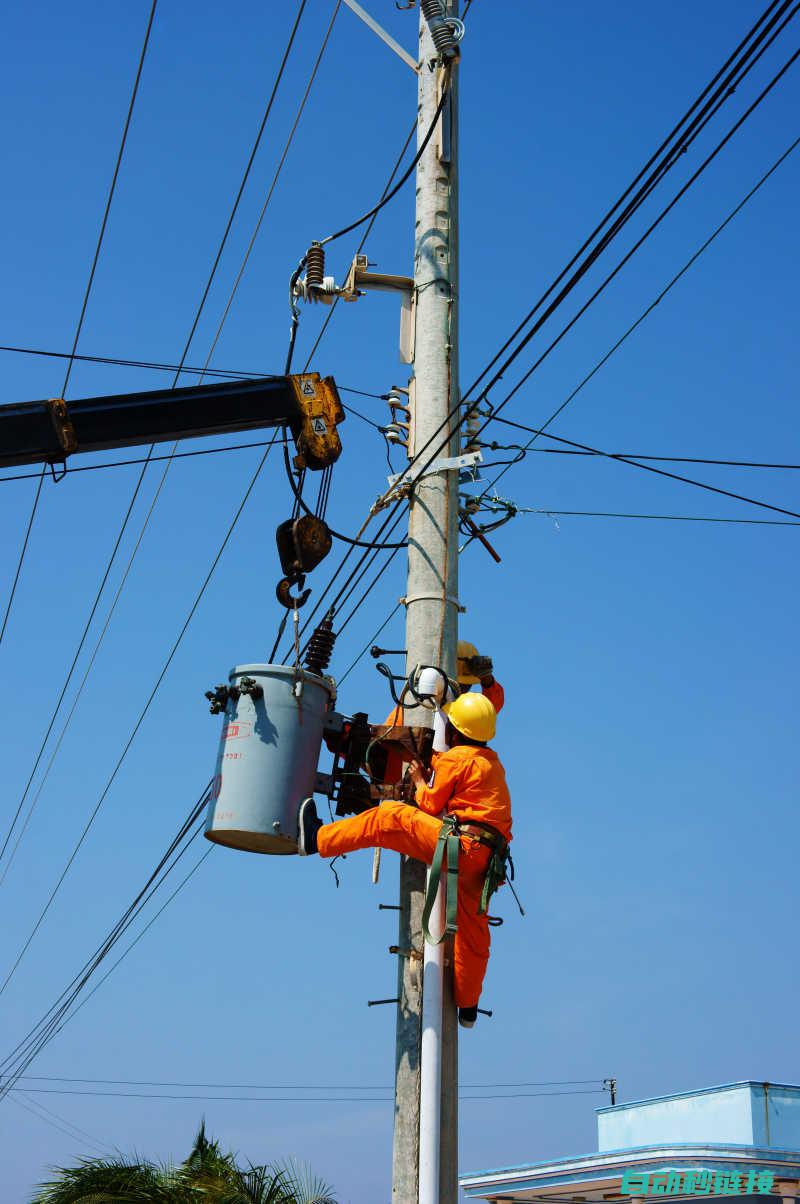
[611,1164]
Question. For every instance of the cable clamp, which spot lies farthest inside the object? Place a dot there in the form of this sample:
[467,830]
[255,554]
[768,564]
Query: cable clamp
[448,598]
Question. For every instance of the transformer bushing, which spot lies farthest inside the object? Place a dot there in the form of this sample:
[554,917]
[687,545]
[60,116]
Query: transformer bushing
[267,762]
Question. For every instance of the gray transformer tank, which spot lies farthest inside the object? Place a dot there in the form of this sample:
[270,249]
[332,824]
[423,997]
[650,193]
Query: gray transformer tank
[268,755]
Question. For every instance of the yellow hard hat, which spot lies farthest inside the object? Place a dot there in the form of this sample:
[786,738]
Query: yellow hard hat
[463,653]
[472,715]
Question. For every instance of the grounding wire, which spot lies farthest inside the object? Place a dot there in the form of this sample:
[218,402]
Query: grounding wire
[140,719]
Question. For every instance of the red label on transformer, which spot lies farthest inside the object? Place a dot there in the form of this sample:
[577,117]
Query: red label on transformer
[237,731]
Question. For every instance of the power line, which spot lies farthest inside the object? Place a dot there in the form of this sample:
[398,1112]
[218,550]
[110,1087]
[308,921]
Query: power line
[629,254]
[148,458]
[111,191]
[667,288]
[20,1058]
[86,295]
[663,472]
[720,89]
[50,1078]
[40,1107]
[33,1106]
[673,518]
[392,517]
[565,451]
[23,550]
[71,670]
[139,720]
[295,1099]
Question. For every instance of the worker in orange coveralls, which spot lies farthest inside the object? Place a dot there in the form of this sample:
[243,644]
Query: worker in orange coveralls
[466,781]
[472,669]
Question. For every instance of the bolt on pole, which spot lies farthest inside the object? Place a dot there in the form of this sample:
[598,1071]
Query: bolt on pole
[431,637]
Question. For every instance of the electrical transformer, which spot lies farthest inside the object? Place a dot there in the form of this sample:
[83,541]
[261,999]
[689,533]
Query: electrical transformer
[270,745]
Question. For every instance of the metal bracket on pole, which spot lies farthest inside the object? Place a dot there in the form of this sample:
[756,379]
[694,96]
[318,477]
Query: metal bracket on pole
[383,35]
[359,279]
[443,464]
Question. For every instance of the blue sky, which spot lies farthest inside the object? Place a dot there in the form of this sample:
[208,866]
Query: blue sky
[650,667]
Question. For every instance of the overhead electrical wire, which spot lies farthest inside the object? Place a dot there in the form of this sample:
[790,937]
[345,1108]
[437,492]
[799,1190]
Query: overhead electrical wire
[141,717]
[599,290]
[20,1058]
[50,1078]
[46,1114]
[392,193]
[653,304]
[84,304]
[32,1107]
[148,459]
[385,528]
[672,518]
[720,89]
[299,1099]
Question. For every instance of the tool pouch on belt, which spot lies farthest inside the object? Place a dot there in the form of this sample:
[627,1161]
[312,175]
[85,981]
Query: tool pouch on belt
[496,874]
[446,846]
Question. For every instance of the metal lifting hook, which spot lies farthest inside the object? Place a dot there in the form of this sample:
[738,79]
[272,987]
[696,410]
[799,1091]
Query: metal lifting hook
[284,595]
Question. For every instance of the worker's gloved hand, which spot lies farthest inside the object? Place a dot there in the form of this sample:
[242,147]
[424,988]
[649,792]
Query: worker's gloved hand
[481,666]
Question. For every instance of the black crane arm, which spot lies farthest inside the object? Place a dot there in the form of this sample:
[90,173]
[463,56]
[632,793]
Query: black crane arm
[36,432]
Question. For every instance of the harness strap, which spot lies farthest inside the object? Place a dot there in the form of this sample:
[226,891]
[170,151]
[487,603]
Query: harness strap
[446,845]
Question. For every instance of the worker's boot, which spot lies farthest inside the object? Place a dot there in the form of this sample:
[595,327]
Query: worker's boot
[468,1016]
[308,824]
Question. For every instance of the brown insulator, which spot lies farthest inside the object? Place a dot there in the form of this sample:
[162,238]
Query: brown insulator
[441,29]
[315,266]
[320,646]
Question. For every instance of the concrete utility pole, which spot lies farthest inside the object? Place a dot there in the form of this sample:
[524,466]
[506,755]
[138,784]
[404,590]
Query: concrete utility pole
[425,1159]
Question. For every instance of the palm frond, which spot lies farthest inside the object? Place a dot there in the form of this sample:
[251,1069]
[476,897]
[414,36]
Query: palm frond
[305,1186]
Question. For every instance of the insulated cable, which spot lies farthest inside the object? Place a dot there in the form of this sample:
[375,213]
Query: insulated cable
[388,196]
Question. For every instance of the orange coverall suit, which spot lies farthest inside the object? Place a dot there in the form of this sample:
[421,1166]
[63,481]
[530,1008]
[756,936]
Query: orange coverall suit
[468,782]
[394,762]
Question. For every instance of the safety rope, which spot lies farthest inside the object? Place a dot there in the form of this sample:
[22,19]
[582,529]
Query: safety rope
[447,845]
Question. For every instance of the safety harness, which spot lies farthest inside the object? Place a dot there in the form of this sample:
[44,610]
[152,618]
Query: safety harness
[499,869]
